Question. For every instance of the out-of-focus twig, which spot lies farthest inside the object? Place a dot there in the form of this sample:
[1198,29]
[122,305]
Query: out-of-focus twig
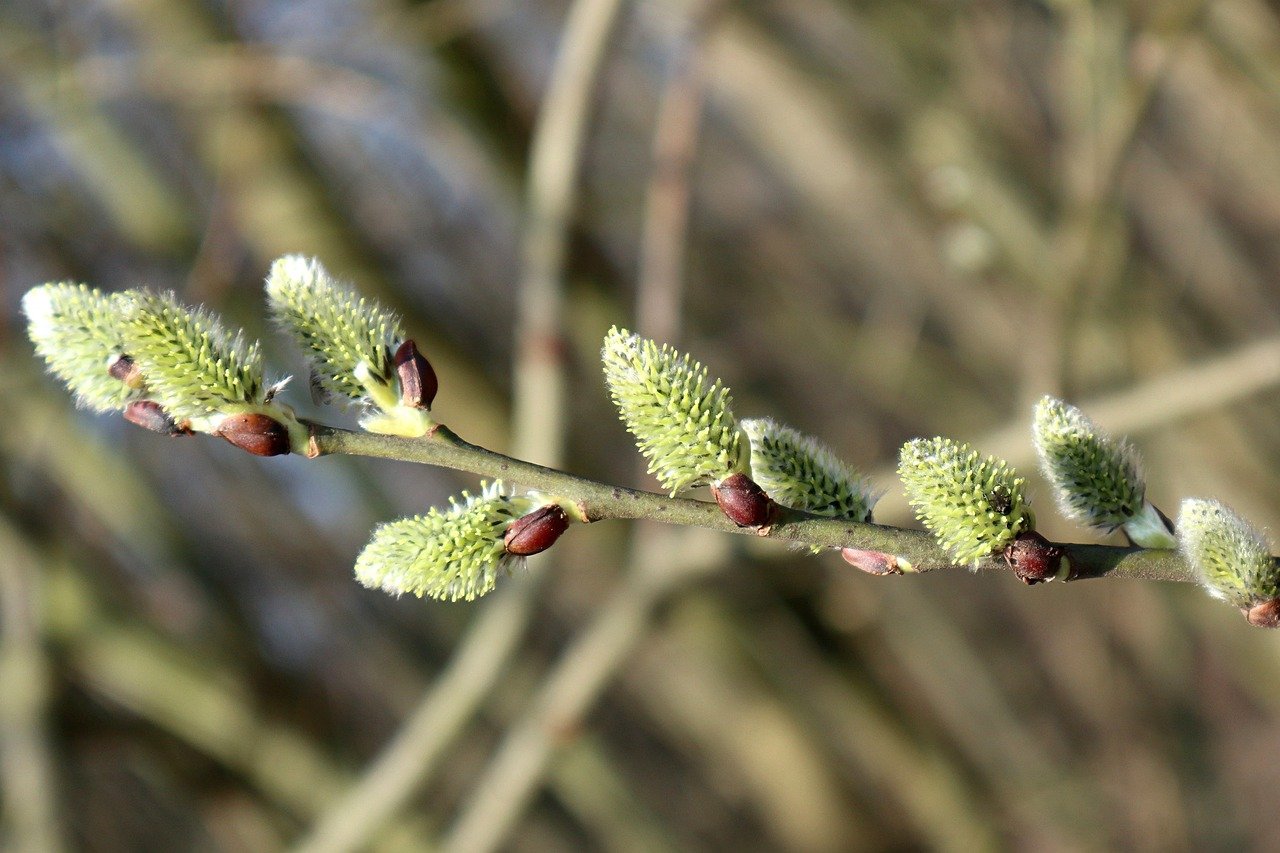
[1195,389]
[659,284]
[538,417]
[569,690]
[1102,121]
[26,767]
[553,168]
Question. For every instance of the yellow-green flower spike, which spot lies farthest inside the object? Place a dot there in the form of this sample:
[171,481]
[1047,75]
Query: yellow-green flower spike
[1231,558]
[1097,480]
[450,555]
[973,505]
[199,372]
[350,342]
[799,472]
[78,331]
[682,422]
[338,328]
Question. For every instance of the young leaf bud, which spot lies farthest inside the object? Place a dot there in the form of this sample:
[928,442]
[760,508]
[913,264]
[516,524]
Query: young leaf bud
[79,333]
[875,562]
[454,554]
[1265,614]
[974,506]
[1096,480]
[148,415]
[682,423]
[799,472]
[1035,559]
[255,433]
[1231,558]
[744,502]
[418,383]
[536,531]
[125,369]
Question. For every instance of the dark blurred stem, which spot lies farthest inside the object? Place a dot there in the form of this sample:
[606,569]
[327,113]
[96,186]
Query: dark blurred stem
[598,501]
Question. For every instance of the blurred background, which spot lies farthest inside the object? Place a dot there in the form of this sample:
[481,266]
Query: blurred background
[873,220]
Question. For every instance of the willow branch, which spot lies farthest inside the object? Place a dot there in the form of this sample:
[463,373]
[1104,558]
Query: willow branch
[598,501]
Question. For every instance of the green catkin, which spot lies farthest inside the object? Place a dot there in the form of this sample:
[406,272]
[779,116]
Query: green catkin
[453,554]
[799,472]
[973,505]
[192,365]
[682,422]
[1232,560]
[337,328]
[78,331]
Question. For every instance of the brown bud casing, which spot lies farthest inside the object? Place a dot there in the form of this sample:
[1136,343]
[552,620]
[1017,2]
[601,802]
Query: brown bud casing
[255,433]
[1033,558]
[1265,614]
[537,531]
[125,369]
[149,415]
[418,383]
[871,562]
[744,502]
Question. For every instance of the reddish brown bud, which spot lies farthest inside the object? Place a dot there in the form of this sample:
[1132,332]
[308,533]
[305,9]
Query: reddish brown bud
[536,532]
[418,384]
[149,415]
[255,433]
[1033,558]
[1265,614]
[744,502]
[125,369]
[871,562]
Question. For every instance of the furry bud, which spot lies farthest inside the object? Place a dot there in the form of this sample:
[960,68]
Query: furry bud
[79,332]
[536,532]
[348,339]
[1232,559]
[799,472]
[149,415]
[1096,479]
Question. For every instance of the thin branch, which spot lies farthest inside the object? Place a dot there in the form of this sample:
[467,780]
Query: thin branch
[599,501]
[31,809]
[554,160]
[659,282]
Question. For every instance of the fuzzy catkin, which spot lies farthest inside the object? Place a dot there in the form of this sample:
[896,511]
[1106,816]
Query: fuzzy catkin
[682,422]
[454,554]
[337,328]
[973,505]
